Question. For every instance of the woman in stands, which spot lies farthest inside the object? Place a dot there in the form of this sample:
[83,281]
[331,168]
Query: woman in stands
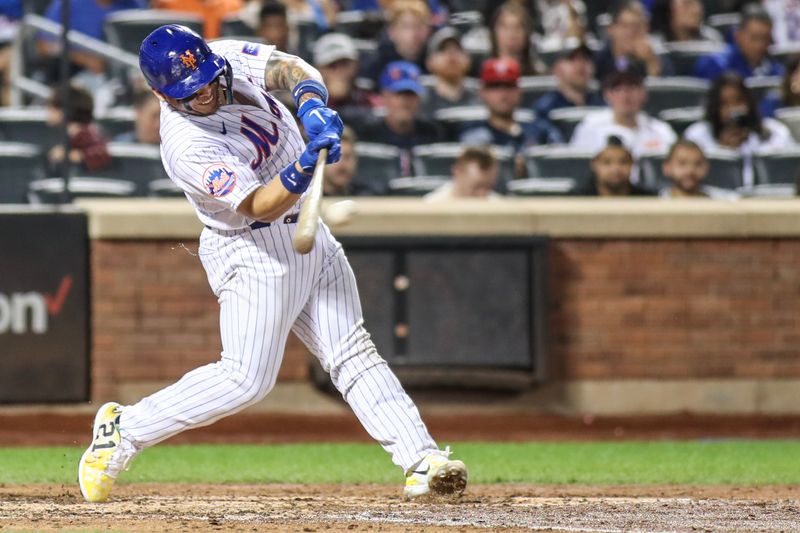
[511,29]
[681,20]
[733,121]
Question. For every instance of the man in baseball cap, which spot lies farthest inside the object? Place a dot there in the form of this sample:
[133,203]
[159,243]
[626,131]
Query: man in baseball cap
[336,57]
[501,94]
[574,69]
[449,64]
[401,126]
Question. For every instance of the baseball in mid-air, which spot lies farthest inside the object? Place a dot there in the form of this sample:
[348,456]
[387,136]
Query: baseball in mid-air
[340,212]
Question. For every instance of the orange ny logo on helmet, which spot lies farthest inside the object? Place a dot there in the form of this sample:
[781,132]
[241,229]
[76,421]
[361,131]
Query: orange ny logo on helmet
[188,60]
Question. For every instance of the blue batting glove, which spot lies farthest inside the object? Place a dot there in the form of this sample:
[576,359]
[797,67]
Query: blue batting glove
[317,118]
[308,159]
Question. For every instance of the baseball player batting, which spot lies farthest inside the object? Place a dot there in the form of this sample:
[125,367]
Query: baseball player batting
[238,155]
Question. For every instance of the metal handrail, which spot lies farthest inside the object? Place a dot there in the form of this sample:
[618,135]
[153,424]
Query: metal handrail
[22,84]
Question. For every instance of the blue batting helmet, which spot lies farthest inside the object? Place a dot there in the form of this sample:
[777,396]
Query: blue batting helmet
[178,62]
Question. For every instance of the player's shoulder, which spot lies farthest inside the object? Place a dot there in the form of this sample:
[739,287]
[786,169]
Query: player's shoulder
[233,48]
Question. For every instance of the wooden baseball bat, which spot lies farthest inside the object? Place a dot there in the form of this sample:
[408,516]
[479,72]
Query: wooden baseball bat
[308,221]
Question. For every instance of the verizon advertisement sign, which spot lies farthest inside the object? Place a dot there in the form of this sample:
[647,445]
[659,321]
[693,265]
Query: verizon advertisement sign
[44,307]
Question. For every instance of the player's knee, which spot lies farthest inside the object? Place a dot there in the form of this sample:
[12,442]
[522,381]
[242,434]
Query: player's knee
[249,385]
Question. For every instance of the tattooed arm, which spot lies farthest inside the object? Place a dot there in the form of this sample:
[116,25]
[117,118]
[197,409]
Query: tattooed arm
[284,71]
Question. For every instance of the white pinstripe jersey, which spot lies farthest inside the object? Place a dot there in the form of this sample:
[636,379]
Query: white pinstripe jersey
[220,159]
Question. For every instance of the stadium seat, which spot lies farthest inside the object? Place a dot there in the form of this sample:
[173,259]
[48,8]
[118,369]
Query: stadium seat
[791,117]
[126,29]
[669,93]
[51,190]
[359,24]
[784,53]
[777,166]
[465,21]
[684,55]
[117,120]
[567,118]
[135,163]
[164,188]
[468,5]
[28,125]
[725,170]
[437,159]
[22,163]
[416,185]
[681,118]
[461,118]
[472,85]
[541,186]
[377,165]
[534,87]
[768,190]
[763,85]
[559,160]
[724,23]
[367,50]
[234,26]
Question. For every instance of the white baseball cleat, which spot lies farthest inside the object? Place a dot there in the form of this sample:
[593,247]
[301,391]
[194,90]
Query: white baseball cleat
[437,475]
[106,457]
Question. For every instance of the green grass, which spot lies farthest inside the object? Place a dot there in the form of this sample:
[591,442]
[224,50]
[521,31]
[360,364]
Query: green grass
[695,462]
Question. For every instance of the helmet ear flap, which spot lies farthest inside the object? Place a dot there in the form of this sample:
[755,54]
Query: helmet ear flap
[228,74]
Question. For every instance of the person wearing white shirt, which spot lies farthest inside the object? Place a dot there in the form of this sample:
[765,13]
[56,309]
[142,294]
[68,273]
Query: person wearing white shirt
[625,93]
[475,175]
[732,121]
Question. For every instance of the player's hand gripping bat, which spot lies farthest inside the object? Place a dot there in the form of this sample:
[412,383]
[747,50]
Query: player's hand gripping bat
[308,221]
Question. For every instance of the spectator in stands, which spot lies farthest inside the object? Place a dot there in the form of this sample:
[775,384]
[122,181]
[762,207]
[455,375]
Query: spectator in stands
[510,31]
[629,47]
[682,20]
[273,25]
[748,54]
[339,176]
[212,13]
[625,93]
[612,168]
[407,32]
[574,70]
[401,126]
[560,21]
[336,57]
[501,94]
[475,175]
[88,150]
[686,167]
[449,64]
[785,15]
[86,17]
[732,121]
[789,94]
[147,119]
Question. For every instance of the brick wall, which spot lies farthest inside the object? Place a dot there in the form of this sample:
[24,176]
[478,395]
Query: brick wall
[675,309]
[670,309]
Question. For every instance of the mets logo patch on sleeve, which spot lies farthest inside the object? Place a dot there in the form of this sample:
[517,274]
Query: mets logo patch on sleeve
[219,180]
[251,49]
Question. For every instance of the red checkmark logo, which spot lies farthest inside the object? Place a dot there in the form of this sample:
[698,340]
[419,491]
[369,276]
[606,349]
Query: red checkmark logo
[55,303]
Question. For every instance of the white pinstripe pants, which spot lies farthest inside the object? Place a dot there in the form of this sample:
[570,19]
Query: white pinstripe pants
[265,290]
